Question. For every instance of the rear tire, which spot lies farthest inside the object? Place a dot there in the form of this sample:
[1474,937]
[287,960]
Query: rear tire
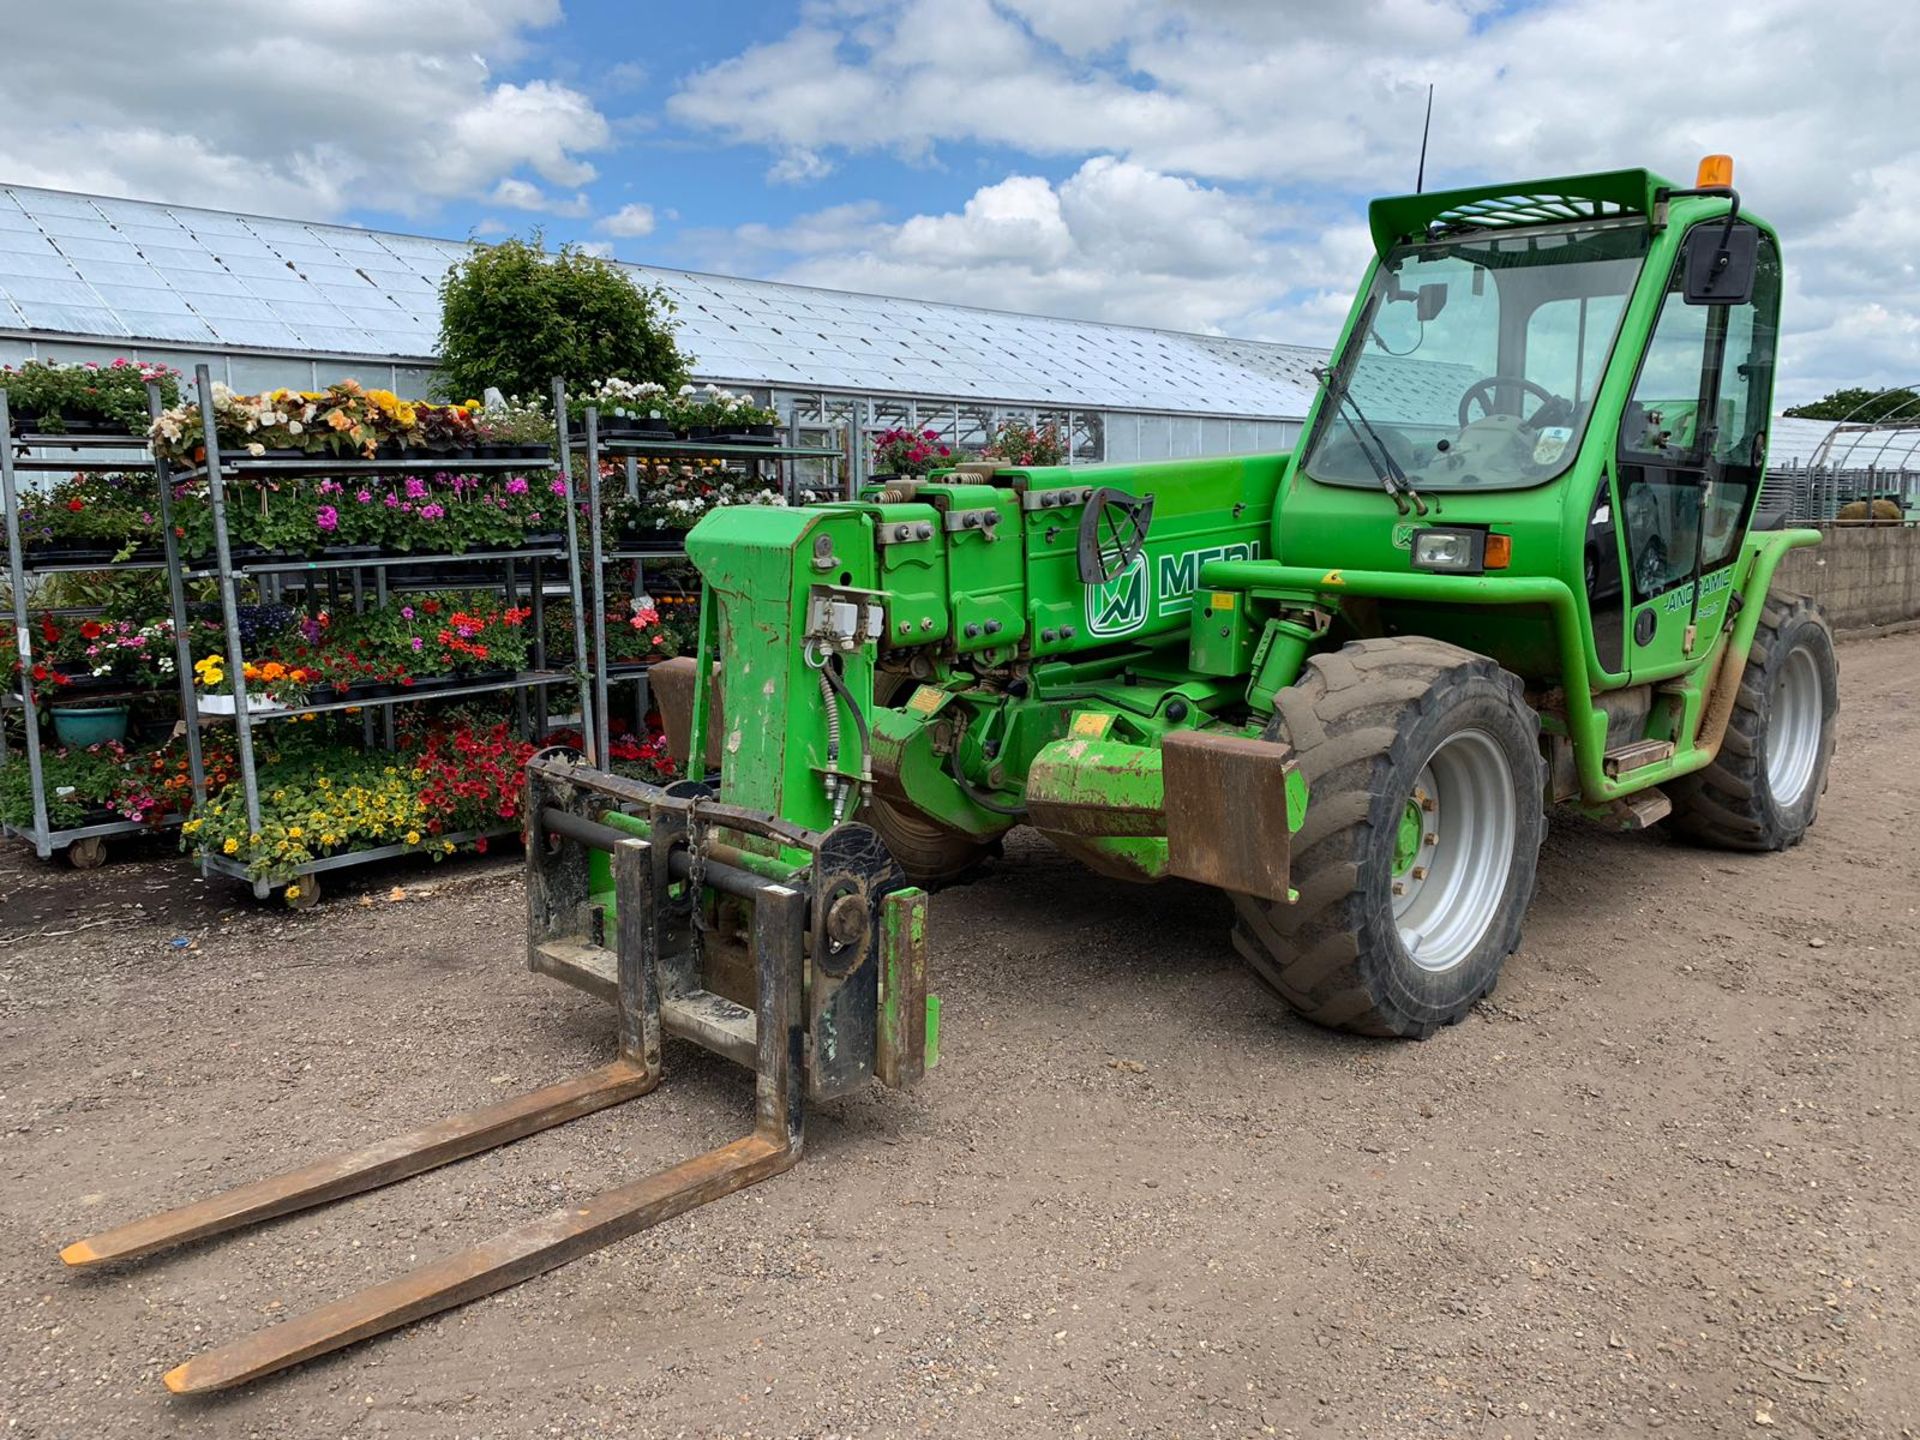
[1763,789]
[1424,820]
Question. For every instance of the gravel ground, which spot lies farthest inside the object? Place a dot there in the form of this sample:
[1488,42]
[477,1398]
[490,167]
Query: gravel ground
[1662,1181]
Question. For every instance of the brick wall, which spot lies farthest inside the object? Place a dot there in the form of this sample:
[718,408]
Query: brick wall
[1864,575]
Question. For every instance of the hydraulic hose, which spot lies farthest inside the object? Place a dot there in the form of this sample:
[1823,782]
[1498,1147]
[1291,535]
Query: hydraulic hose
[831,703]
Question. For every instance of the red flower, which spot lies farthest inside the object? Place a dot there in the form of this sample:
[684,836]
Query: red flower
[92,629]
[76,505]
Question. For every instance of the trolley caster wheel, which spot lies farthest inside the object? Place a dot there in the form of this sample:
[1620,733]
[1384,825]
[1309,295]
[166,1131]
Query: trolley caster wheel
[303,894]
[87,854]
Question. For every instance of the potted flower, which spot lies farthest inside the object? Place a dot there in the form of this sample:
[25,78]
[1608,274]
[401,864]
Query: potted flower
[628,409]
[1019,442]
[48,398]
[272,685]
[899,452]
[637,636]
[104,517]
[516,427]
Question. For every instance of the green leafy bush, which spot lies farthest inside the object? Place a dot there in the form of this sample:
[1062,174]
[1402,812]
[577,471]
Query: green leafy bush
[514,317]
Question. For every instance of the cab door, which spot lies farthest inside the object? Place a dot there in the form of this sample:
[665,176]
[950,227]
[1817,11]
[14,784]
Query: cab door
[1689,461]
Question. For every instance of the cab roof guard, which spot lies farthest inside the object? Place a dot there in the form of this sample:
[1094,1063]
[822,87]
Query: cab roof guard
[1608,195]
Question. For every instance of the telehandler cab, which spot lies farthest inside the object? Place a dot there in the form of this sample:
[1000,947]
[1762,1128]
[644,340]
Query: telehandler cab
[1510,565]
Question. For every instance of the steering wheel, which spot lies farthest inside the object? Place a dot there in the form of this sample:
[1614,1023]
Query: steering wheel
[1482,390]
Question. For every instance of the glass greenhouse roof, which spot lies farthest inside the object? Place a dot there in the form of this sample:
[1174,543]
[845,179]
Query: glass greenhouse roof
[83,265]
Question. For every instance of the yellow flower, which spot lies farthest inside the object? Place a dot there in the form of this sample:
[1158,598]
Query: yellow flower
[231,846]
[293,892]
[294,832]
[191,827]
[413,837]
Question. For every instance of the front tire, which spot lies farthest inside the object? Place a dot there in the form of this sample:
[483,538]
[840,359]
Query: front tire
[1763,789]
[1422,836]
[933,855]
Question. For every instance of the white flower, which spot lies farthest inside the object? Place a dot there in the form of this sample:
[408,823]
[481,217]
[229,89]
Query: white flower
[255,447]
[294,427]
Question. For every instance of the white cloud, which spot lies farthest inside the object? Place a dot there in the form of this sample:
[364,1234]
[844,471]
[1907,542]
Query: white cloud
[334,104]
[1814,101]
[525,195]
[627,220]
[602,248]
[799,166]
[1211,260]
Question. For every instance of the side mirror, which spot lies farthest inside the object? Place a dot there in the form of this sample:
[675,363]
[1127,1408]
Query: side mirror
[1718,262]
[1429,301]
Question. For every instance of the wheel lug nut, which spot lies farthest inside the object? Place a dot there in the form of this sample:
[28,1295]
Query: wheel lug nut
[1399,887]
[1431,839]
[1419,872]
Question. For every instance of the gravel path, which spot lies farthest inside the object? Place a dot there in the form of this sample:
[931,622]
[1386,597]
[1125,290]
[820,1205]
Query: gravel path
[1662,1181]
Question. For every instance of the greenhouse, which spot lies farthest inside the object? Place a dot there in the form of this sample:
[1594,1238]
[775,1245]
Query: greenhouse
[271,302]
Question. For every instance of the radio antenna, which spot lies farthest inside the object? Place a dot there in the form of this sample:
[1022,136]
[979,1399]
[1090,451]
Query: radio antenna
[1420,178]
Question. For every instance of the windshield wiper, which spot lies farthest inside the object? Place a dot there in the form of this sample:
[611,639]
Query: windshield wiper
[1393,479]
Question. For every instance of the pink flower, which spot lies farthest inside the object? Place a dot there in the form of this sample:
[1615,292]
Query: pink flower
[559,487]
[416,488]
[363,496]
[393,501]
[327,518]
[432,512]
[517,485]
[406,612]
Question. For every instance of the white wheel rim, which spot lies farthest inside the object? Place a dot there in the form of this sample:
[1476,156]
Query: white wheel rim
[1446,896]
[1793,727]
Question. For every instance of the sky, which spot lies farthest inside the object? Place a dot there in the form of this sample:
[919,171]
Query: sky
[1194,164]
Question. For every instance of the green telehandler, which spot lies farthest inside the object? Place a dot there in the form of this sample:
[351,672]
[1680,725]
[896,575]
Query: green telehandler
[1511,565]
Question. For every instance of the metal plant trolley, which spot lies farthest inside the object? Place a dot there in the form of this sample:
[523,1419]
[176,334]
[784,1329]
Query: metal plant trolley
[31,453]
[271,574]
[589,443]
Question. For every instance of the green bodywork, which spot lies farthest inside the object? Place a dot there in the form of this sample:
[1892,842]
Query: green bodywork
[1014,688]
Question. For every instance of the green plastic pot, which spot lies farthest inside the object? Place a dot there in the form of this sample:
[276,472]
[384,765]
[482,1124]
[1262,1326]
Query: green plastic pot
[78,726]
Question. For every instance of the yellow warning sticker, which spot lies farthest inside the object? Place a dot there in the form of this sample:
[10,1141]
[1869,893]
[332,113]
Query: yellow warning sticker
[1092,724]
[1221,600]
[1333,577]
[926,700]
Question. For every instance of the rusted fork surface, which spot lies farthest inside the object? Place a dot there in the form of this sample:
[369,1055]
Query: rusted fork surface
[392,1159]
[778,939]
[506,1259]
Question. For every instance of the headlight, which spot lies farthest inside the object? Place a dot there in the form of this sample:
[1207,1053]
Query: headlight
[1458,552]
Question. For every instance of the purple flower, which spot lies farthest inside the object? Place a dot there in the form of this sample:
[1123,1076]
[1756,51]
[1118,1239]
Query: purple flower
[329,487]
[559,487]
[363,496]
[432,512]
[406,612]
[418,642]
[327,518]
[393,501]
[517,485]
[416,488]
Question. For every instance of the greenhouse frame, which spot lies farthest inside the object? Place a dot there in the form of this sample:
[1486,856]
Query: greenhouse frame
[269,302]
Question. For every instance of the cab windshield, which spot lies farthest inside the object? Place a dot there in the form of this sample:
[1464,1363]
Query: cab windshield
[1475,360]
